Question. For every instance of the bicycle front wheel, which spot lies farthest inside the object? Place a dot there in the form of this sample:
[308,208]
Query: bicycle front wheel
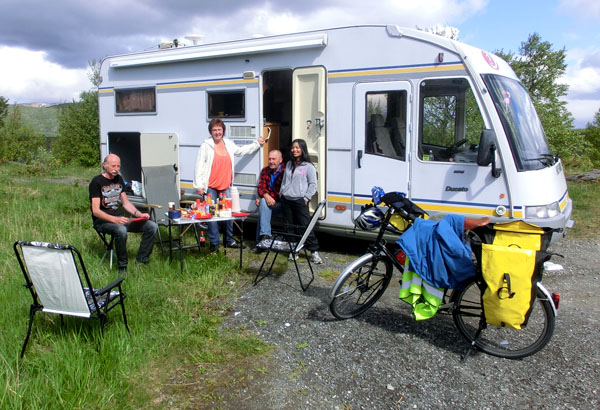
[501,341]
[360,285]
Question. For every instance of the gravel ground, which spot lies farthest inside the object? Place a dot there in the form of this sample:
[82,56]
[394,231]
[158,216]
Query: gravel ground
[385,360]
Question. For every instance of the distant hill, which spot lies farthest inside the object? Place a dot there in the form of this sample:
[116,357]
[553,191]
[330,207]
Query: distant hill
[42,117]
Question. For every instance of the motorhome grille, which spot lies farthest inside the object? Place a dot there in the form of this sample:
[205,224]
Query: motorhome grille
[242,131]
[245,179]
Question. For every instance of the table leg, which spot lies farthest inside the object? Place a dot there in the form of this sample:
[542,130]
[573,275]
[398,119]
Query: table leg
[241,229]
[180,242]
[170,243]
[241,243]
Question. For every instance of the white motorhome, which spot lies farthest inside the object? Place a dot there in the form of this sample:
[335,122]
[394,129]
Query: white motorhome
[446,123]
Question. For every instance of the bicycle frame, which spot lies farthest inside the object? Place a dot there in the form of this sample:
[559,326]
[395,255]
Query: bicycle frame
[364,280]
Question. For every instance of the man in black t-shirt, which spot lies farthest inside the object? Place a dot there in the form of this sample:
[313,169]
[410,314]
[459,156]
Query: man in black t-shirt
[106,190]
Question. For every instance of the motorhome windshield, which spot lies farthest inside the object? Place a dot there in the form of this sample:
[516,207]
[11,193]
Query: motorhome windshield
[521,123]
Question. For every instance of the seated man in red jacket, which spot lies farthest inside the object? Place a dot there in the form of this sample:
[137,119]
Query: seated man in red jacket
[269,183]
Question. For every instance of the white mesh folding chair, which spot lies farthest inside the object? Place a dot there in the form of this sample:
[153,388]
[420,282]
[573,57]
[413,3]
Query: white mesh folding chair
[289,243]
[59,283]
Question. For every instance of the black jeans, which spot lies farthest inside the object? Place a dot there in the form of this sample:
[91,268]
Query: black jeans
[295,212]
[147,228]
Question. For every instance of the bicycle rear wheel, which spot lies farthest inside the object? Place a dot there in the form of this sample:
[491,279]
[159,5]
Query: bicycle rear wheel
[501,341]
[360,285]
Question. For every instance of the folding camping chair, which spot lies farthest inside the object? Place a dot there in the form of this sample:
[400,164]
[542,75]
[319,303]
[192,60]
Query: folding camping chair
[59,283]
[160,188]
[108,246]
[291,243]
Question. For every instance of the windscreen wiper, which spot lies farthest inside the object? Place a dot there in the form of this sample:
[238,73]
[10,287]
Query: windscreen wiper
[546,159]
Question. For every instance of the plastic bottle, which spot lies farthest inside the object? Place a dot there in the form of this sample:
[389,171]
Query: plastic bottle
[430,155]
[202,239]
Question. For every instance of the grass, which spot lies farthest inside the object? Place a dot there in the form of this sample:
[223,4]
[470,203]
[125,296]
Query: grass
[177,356]
[586,212]
[174,318]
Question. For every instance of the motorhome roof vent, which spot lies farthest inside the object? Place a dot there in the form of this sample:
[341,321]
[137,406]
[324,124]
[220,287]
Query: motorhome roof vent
[195,38]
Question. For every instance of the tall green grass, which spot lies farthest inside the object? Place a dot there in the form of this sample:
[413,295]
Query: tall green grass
[173,317]
[586,209]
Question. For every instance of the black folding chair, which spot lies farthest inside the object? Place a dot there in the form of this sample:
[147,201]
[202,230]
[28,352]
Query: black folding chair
[59,283]
[108,246]
[292,244]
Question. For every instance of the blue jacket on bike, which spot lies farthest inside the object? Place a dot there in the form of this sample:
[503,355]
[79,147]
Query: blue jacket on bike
[437,251]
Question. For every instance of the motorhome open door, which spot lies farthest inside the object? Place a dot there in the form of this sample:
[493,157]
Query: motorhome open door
[308,119]
[159,149]
[381,139]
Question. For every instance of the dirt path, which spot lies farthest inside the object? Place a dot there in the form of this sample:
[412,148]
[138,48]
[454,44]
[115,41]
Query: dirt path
[385,360]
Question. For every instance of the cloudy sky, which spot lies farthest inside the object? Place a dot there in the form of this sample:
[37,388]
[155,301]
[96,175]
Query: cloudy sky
[45,46]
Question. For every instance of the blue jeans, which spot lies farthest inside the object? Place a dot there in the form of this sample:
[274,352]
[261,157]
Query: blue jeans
[213,227]
[119,232]
[264,217]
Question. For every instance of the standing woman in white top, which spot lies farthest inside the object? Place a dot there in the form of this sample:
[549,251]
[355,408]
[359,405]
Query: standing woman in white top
[214,173]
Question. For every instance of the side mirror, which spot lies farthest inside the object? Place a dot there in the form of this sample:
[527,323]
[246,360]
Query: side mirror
[486,153]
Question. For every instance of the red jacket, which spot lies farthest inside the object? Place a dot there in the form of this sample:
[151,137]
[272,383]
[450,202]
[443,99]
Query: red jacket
[264,182]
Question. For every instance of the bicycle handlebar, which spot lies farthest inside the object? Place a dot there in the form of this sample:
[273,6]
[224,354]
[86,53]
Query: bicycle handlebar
[407,208]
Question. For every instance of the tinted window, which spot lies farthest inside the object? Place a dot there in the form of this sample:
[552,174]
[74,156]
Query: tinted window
[226,104]
[138,100]
[385,133]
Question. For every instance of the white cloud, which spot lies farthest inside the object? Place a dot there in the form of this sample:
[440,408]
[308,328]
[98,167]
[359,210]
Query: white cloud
[583,78]
[584,81]
[29,77]
[583,111]
[268,19]
[586,9]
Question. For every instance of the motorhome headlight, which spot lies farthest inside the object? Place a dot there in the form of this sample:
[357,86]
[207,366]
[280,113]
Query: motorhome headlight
[543,211]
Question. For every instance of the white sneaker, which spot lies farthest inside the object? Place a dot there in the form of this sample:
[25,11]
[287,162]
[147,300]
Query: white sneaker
[315,258]
[293,257]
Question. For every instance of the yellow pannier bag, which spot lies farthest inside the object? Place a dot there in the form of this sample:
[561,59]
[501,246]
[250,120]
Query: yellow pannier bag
[509,274]
[520,234]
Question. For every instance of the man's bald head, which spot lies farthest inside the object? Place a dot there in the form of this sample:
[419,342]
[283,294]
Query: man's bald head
[111,165]
[275,159]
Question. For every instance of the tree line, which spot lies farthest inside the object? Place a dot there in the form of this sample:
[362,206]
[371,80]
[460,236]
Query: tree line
[78,140]
[538,66]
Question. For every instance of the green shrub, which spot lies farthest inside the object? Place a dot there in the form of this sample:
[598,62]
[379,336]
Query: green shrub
[78,141]
[18,142]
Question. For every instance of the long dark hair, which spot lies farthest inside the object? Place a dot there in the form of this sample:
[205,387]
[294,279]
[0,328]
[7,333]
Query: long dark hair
[304,157]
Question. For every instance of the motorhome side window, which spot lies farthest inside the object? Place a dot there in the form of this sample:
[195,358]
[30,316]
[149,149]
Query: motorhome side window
[385,132]
[226,104]
[136,101]
[450,121]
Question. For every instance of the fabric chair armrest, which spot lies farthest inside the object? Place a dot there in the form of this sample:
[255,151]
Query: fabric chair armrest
[107,288]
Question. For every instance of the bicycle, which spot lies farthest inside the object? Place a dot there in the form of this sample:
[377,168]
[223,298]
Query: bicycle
[365,280]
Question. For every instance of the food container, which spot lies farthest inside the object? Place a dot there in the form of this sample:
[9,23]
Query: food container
[174,214]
